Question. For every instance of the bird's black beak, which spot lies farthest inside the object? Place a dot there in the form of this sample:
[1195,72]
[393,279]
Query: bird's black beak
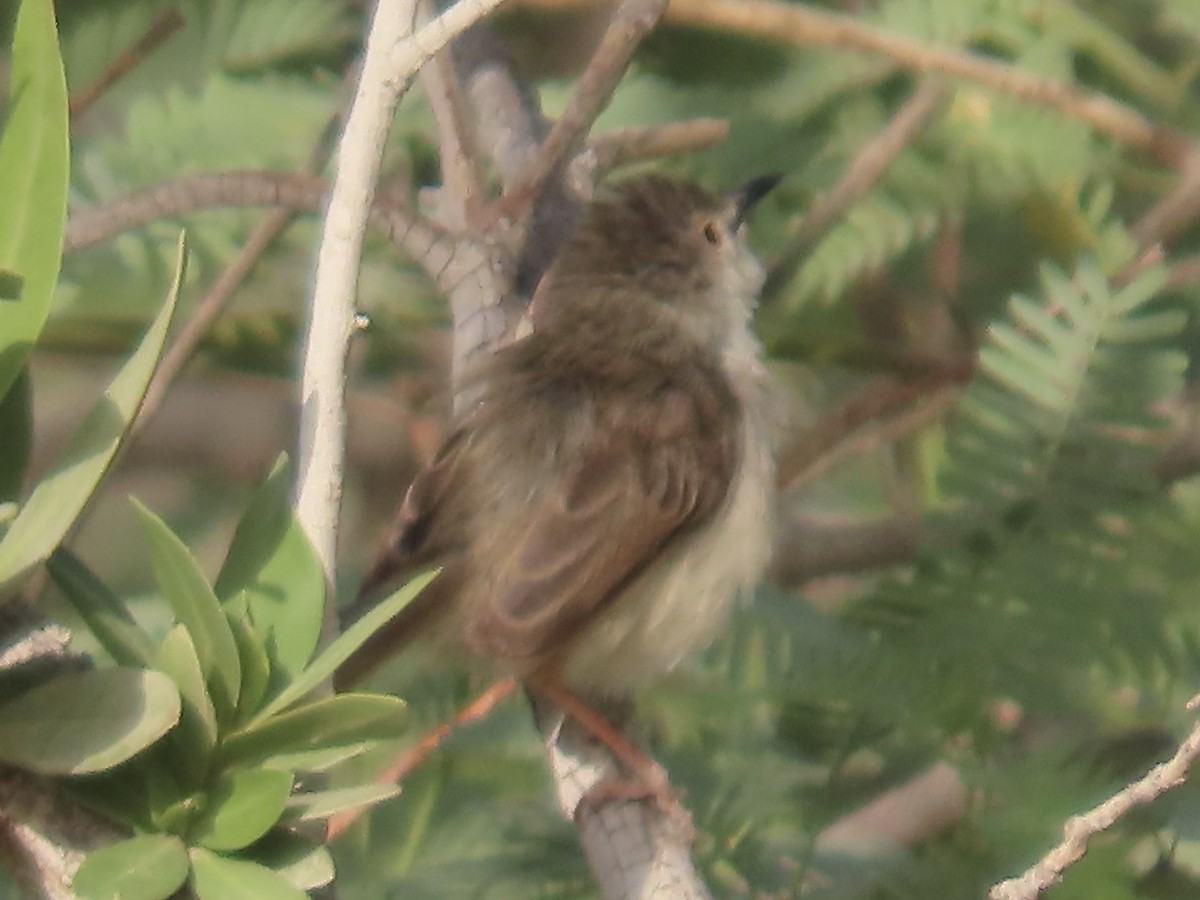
[745,197]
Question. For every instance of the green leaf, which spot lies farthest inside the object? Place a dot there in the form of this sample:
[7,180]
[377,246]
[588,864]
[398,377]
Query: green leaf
[197,732]
[184,587]
[58,499]
[345,644]
[256,668]
[219,878]
[328,722]
[242,808]
[317,760]
[271,559]
[304,864]
[105,616]
[149,867]
[100,719]
[323,804]
[16,435]
[34,170]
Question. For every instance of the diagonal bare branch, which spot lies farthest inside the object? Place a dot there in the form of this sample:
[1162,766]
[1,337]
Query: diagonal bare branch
[631,22]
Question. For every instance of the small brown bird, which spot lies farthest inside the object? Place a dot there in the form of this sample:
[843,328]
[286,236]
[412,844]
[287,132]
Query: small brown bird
[607,498]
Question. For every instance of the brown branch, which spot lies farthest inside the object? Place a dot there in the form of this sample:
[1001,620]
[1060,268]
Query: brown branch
[825,444]
[905,815]
[614,149]
[412,758]
[808,27]
[165,24]
[805,26]
[461,198]
[1171,215]
[1183,273]
[867,167]
[631,22]
[505,113]
[808,548]
[430,246]
[1080,829]
[207,311]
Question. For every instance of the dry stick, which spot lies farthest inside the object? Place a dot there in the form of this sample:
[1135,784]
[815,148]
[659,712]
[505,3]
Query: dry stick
[614,149]
[902,425]
[1080,829]
[808,27]
[462,193]
[418,237]
[1183,273]
[885,394]
[479,708]
[206,313]
[804,26]
[864,171]
[882,397]
[806,548]
[1164,221]
[631,22]
[165,24]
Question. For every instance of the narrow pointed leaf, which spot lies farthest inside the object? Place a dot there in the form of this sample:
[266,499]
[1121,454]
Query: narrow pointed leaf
[196,736]
[106,616]
[34,171]
[61,495]
[256,668]
[185,588]
[323,667]
[101,718]
[328,722]
[323,804]
[149,867]
[271,559]
[317,760]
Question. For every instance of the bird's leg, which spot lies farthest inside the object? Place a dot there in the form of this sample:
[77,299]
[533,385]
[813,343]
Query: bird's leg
[407,761]
[650,779]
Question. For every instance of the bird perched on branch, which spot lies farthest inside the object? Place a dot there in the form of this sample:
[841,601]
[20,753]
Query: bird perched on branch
[608,496]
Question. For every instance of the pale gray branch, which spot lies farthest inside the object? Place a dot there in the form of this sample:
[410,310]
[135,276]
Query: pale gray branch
[1080,829]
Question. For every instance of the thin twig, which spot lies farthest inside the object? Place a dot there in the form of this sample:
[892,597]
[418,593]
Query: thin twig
[1183,273]
[808,27]
[165,24]
[823,443]
[888,432]
[430,246]
[614,149]
[864,171]
[408,761]
[631,22]
[461,197]
[1080,829]
[811,27]
[1171,215]
[207,310]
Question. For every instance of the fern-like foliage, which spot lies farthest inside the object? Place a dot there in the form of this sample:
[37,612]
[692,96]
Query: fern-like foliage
[1061,417]
[875,232]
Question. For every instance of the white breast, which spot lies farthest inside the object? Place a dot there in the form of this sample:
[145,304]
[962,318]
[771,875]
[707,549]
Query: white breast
[682,602]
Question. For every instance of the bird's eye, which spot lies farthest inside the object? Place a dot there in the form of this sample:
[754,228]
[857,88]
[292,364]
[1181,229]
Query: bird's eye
[712,233]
